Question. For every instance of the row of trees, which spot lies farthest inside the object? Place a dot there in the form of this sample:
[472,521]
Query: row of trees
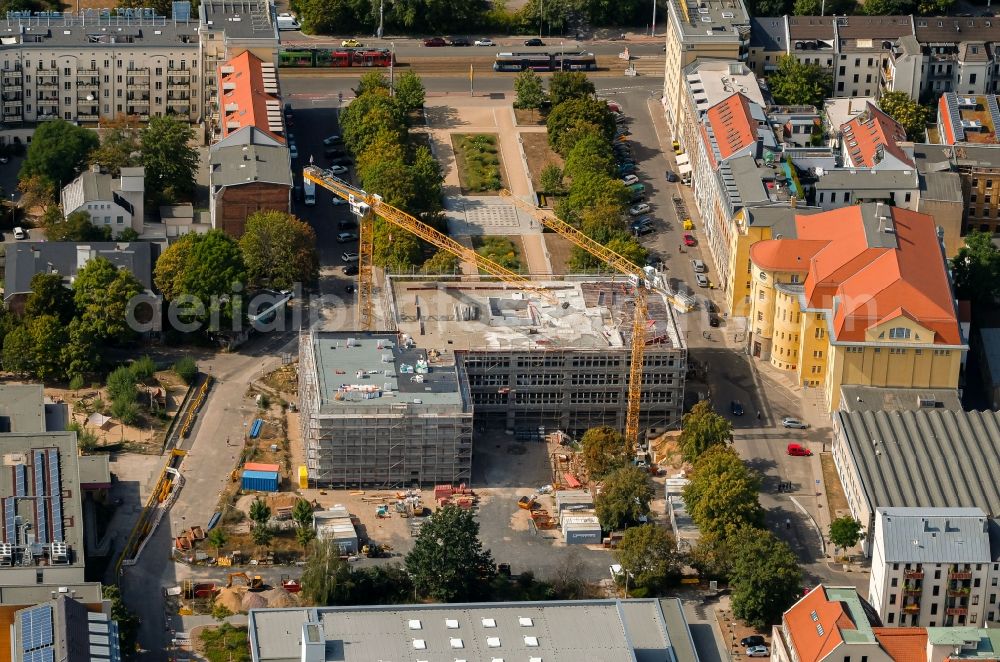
[464,16]
[590,194]
[59,151]
[403,171]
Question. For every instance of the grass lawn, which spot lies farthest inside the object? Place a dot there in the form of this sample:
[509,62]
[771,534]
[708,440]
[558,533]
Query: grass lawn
[477,156]
[505,251]
[538,154]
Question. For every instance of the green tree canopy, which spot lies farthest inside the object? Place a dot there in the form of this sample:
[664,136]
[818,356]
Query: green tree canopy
[567,85]
[604,451]
[590,190]
[529,90]
[58,151]
[799,84]
[846,532]
[50,297]
[702,428]
[568,114]
[119,146]
[46,337]
[208,267]
[367,116]
[410,91]
[442,262]
[324,575]
[976,270]
[302,513]
[333,16]
[713,555]
[170,160]
[650,554]
[279,250]
[102,293]
[75,227]
[624,499]
[591,154]
[909,113]
[371,81]
[448,562]
[765,579]
[722,493]
[38,191]
[551,180]
[427,180]
[260,512]
[18,351]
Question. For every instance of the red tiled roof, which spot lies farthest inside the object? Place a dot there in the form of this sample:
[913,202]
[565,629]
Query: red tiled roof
[814,624]
[733,125]
[903,644]
[872,284]
[870,130]
[243,99]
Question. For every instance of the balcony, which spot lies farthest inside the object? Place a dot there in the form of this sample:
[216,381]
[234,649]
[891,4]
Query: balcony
[139,72]
[959,575]
[47,102]
[912,608]
[88,72]
[138,101]
[913,574]
[48,86]
[136,84]
[186,73]
[12,115]
[174,83]
[88,117]
[958,592]
[912,590]
[956,611]
[88,82]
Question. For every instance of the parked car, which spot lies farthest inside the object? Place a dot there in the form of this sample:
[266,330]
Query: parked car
[288,110]
[689,239]
[341,160]
[349,289]
[345,237]
[626,168]
[642,230]
[798,450]
[338,169]
[484,41]
[643,220]
[347,224]
[793,423]
[640,209]
[349,257]
[698,266]
[351,43]
[350,270]
[293,150]
[332,140]
[757,651]
[460,41]
[20,233]
[435,41]
[736,408]
[628,180]
[535,41]
[671,177]
[701,279]
[336,201]
[713,320]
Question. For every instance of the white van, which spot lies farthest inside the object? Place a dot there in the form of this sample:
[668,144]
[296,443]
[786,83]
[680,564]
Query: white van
[309,192]
[287,21]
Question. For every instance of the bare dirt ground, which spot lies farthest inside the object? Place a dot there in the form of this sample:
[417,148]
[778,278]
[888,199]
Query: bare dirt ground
[836,501]
[559,252]
[529,117]
[538,154]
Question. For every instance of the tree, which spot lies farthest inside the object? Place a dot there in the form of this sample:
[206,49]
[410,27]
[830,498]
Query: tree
[331,16]
[217,538]
[649,553]
[833,7]
[568,114]
[102,293]
[260,512]
[442,262]
[409,91]
[766,579]
[305,535]
[37,191]
[208,267]
[324,575]
[186,368]
[529,90]
[50,297]
[909,113]
[393,248]
[591,154]
[622,243]
[279,250]
[128,622]
[369,115]
[888,7]
[18,351]
[799,84]
[625,498]
[58,152]
[976,270]
[48,337]
[427,179]
[302,514]
[448,562]
[768,7]
[551,180]
[371,81]
[604,451]
[845,532]
[170,160]
[75,227]
[713,554]
[119,146]
[722,493]
[590,190]
[566,85]
[702,428]
[79,355]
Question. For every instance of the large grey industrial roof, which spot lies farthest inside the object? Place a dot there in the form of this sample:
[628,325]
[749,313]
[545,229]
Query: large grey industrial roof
[874,398]
[22,408]
[592,630]
[934,535]
[935,458]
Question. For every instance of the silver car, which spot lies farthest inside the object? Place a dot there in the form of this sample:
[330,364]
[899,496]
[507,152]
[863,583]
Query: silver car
[701,279]
[639,209]
[757,651]
[793,423]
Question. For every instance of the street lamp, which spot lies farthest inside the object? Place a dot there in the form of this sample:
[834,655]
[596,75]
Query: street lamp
[392,61]
[541,13]
[12,209]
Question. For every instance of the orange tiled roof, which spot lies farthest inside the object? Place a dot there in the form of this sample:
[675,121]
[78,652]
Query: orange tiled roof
[903,644]
[733,125]
[944,112]
[244,100]
[814,624]
[870,130]
[872,284]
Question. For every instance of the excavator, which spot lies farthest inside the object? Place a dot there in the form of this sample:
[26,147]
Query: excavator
[255,583]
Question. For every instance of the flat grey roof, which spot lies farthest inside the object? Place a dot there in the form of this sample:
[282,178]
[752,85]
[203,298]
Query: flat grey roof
[89,29]
[711,20]
[857,179]
[86,592]
[22,408]
[359,369]
[677,626]
[246,19]
[875,398]
[943,186]
[25,259]
[931,459]
[247,164]
[592,630]
[934,535]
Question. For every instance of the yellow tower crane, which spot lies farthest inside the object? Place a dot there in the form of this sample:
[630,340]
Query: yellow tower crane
[366,205]
[640,318]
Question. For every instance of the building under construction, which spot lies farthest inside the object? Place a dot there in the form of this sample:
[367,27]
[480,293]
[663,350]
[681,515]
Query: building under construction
[533,366]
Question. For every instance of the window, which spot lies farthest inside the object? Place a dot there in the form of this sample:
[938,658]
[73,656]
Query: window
[895,582]
[936,591]
[899,333]
[892,599]
[934,608]
[760,295]
[818,354]
[892,618]
[843,70]
[820,332]
[760,316]
[972,77]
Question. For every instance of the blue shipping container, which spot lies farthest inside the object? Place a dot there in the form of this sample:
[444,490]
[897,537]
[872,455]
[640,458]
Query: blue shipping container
[262,481]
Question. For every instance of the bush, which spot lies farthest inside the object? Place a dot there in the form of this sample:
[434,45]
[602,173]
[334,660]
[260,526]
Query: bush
[85,439]
[186,369]
[76,383]
[121,385]
[125,411]
[142,369]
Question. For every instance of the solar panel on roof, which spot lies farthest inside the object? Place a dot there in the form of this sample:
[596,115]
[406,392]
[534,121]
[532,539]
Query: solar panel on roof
[20,480]
[9,520]
[55,486]
[36,628]
[41,521]
[39,468]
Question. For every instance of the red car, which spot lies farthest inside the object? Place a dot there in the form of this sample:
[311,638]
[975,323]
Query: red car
[798,450]
[435,41]
[689,239]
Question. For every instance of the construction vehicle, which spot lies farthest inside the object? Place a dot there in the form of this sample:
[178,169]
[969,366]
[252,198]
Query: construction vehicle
[290,584]
[527,502]
[373,550]
[254,583]
[367,205]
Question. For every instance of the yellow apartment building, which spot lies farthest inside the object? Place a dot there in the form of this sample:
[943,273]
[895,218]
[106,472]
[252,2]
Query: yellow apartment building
[853,296]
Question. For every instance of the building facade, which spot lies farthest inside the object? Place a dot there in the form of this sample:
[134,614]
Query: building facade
[115,202]
[857,295]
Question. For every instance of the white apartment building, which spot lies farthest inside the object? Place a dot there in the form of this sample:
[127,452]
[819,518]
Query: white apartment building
[98,64]
[934,567]
[116,202]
